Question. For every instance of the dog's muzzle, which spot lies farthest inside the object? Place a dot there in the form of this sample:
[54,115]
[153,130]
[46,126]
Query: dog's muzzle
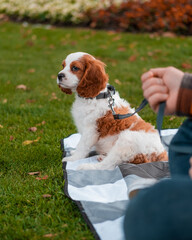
[61,76]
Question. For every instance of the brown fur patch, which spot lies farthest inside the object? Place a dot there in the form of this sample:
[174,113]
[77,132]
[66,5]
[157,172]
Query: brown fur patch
[63,64]
[79,64]
[107,125]
[144,158]
[94,78]
[65,90]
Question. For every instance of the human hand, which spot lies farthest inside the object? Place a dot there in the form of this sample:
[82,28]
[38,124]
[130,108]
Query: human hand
[162,84]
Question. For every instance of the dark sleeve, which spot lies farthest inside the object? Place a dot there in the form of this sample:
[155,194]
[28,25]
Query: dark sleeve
[184,100]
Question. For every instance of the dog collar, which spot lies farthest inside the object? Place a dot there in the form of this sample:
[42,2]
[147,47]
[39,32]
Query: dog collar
[103,95]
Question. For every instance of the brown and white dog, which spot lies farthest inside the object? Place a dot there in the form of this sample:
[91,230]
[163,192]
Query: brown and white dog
[116,141]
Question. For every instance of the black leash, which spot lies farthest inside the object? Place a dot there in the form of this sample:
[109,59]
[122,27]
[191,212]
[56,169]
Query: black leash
[175,147]
[123,116]
[111,92]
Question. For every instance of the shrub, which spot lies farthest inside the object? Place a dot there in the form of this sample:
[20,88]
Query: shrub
[54,11]
[154,15]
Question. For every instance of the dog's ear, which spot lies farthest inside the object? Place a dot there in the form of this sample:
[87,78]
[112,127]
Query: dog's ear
[94,79]
[66,90]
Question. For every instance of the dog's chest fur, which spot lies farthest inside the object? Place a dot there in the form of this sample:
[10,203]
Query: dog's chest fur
[85,112]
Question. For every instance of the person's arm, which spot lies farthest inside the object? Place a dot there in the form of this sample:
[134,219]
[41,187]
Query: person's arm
[184,100]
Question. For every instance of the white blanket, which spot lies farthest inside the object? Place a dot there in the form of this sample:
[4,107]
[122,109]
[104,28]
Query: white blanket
[103,195]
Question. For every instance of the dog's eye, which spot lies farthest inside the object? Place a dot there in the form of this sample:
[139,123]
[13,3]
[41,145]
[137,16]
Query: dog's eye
[75,69]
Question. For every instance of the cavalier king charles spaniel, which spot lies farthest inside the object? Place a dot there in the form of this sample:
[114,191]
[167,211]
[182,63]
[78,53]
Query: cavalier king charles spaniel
[130,140]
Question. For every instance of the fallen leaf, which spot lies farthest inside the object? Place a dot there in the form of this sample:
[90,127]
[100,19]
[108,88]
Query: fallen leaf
[30,100]
[111,32]
[154,35]
[51,46]
[46,195]
[64,42]
[42,178]
[103,46]
[31,70]
[34,173]
[86,37]
[186,65]
[158,51]
[38,178]
[30,43]
[34,37]
[11,138]
[73,43]
[45,177]
[132,58]
[113,62]
[39,124]
[169,34]
[118,82]
[117,38]
[54,97]
[22,87]
[4,101]
[172,118]
[65,225]
[142,58]
[32,129]
[121,49]
[50,235]
[53,77]
[1,126]
[150,54]
[132,45]
[27,142]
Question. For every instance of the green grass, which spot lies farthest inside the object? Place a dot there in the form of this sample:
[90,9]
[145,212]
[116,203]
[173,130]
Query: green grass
[32,56]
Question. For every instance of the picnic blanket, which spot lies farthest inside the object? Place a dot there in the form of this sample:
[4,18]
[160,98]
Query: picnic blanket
[103,195]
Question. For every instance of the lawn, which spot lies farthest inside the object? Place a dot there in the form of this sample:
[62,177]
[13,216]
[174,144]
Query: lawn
[34,206]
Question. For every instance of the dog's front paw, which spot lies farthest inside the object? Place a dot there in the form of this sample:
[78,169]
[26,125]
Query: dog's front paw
[68,159]
[100,158]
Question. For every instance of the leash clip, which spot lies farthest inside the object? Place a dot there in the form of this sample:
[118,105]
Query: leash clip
[111,92]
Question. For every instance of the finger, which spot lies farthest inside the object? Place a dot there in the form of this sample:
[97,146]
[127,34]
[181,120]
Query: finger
[154,89]
[152,81]
[155,99]
[146,76]
[158,72]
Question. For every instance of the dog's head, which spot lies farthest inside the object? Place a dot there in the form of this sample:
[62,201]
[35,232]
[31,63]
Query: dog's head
[82,73]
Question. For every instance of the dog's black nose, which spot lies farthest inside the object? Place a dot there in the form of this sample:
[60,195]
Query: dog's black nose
[61,76]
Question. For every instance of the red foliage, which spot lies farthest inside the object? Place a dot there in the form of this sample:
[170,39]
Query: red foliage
[154,15]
